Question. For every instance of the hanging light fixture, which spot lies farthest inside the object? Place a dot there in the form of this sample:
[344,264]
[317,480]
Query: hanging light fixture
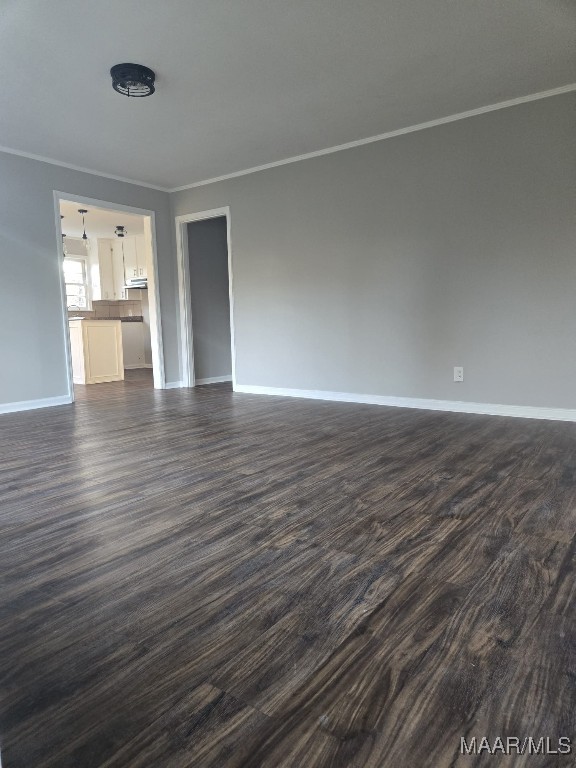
[120,231]
[64,249]
[83,211]
[133,80]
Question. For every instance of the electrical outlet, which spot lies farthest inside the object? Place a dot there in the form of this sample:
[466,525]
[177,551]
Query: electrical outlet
[458,373]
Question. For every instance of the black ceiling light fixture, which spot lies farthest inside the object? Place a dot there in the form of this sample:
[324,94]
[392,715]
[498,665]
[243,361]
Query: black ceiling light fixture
[120,231]
[83,212]
[133,80]
[64,251]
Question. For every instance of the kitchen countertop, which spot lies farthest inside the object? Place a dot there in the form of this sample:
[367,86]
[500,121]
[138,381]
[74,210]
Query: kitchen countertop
[133,319]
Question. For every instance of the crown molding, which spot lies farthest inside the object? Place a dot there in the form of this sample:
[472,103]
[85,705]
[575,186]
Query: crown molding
[307,156]
[70,166]
[389,135]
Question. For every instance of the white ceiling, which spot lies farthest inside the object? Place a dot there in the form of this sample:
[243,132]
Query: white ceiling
[99,221]
[241,83]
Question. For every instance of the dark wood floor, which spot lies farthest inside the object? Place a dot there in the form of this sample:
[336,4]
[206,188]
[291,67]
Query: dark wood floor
[208,579]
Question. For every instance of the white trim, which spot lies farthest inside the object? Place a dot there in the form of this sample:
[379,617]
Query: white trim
[186,345]
[186,331]
[153,292]
[457,406]
[155,316]
[137,366]
[95,203]
[174,384]
[318,153]
[63,298]
[383,136]
[29,405]
[72,167]
[213,380]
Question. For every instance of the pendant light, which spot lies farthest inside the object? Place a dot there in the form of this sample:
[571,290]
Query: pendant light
[64,249]
[84,211]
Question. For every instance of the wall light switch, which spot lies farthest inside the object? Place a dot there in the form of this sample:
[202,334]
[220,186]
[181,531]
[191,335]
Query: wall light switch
[458,373]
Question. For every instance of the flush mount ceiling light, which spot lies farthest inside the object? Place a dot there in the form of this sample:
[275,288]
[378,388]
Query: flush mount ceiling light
[133,80]
[83,212]
[120,231]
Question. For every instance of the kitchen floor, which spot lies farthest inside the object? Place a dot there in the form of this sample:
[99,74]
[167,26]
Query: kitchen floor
[137,379]
[217,580]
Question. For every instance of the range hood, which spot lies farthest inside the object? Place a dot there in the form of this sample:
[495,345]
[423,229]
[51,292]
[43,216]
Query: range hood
[136,282]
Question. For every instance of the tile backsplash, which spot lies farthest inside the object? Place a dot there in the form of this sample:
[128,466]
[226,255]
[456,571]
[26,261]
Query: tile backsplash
[113,309]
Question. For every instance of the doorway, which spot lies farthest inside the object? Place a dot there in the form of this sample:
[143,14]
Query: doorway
[206,299]
[110,302]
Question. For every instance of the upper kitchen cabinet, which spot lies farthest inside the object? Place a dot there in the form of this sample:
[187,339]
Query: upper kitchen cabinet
[102,271]
[113,262]
[130,257]
[134,257]
[142,254]
[118,262]
[107,270]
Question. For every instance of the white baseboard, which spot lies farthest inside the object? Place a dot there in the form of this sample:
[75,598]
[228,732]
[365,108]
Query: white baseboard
[457,406]
[136,367]
[29,405]
[173,384]
[213,380]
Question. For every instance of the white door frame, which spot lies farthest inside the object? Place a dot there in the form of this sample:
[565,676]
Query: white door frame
[158,371]
[186,321]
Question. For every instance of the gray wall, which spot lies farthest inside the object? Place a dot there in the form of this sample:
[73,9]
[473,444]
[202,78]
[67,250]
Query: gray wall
[147,330]
[32,341]
[374,270]
[208,261]
[377,269]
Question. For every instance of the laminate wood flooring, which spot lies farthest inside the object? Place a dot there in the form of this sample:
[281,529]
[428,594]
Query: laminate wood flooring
[204,579]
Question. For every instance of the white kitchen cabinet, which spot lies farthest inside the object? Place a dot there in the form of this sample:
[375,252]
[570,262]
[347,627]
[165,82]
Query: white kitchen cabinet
[107,271]
[133,345]
[134,256]
[97,354]
[118,267]
[141,256]
[130,257]
[135,260]
[102,272]
[114,262]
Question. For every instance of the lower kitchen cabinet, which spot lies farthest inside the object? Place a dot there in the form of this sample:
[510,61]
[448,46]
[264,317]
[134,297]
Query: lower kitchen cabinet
[96,347]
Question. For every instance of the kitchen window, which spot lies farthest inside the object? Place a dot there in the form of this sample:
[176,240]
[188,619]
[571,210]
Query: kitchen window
[76,283]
